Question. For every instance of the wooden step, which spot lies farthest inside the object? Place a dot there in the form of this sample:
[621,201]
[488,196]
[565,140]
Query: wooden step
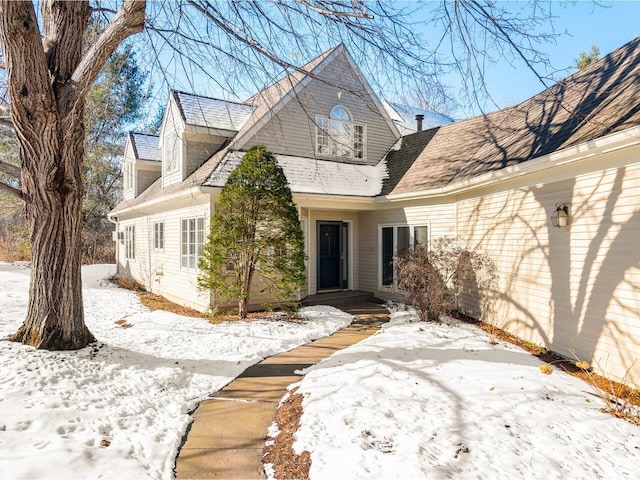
[338,298]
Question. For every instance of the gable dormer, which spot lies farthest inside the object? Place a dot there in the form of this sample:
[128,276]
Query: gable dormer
[142,164]
[195,128]
[171,143]
[331,113]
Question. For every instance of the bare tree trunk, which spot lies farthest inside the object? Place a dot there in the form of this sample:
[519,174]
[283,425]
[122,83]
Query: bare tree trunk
[55,318]
[47,82]
[243,302]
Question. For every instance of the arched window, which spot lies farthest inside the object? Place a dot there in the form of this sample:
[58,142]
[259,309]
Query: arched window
[339,113]
[338,136]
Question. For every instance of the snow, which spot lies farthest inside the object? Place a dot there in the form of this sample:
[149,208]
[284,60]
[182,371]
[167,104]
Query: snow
[120,407]
[421,400]
[416,400]
[314,176]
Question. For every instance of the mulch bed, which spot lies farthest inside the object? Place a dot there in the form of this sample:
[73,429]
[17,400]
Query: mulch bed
[287,464]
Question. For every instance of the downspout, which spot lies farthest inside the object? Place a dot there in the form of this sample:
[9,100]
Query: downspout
[116,222]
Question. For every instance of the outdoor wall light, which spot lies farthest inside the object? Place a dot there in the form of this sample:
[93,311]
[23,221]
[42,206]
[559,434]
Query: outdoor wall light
[560,216]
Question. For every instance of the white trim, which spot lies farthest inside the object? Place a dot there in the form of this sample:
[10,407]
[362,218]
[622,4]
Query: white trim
[164,230]
[334,143]
[304,224]
[351,252]
[180,242]
[411,226]
[129,177]
[583,151]
[130,242]
[159,200]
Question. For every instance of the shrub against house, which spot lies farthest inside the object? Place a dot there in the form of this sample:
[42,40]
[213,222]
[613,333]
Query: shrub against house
[255,231]
[365,192]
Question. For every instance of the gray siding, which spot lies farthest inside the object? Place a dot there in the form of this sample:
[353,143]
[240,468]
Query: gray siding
[441,219]
[144,178]
[291,131]
[199,148]
[173,123]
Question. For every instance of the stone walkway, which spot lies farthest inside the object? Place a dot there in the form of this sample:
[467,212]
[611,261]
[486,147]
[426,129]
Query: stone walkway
[228,432]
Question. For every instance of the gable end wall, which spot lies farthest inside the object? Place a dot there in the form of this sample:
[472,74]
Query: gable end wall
[291,131]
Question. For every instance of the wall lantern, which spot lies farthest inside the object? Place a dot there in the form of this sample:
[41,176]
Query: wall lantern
[560,216]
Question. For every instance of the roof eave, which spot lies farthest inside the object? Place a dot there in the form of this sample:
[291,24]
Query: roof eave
[139,208]
[607,144]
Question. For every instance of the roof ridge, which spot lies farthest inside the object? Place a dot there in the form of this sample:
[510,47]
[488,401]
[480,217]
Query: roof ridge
[133,144]
[236,102]
[593,102]
[131,132]
[305,70]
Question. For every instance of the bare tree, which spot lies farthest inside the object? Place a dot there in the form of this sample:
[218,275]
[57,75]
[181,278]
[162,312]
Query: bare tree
[48,78]
[236,46]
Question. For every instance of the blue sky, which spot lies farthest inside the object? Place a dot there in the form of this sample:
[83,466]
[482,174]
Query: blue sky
[608,27]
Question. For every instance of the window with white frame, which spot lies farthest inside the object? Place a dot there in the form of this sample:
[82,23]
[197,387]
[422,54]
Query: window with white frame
[130,242]
[171,152]
[394,239]
[158,236]
[128,176]
[191,240]
[338,136]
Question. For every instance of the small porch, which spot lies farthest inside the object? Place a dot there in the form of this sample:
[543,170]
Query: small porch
[337,299]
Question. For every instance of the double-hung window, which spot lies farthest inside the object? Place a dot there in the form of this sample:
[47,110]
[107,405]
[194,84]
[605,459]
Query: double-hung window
[158,236]
[130,242]
[338,136]
[191,240]
[395,239]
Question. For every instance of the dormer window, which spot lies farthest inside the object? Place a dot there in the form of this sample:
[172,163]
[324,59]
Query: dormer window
[128,176]
[337,136]
[171,152]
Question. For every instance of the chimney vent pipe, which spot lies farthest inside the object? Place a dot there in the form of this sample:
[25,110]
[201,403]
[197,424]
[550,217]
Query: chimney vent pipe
[419,119]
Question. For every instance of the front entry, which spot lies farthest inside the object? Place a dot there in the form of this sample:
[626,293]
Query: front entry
[333,256]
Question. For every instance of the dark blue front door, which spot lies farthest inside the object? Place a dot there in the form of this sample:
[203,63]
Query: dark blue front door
[332,255]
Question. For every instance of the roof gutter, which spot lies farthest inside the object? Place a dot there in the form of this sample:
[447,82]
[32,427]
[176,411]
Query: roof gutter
[156,201]
[607,144]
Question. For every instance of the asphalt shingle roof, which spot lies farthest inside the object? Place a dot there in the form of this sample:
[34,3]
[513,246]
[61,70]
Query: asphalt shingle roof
[212,112]
[146,147]
[601,99]
[309,175]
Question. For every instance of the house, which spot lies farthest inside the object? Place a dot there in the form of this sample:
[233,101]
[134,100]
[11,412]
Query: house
[364,192]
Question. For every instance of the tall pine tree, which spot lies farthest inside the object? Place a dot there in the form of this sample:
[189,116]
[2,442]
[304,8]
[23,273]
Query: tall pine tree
[255,229]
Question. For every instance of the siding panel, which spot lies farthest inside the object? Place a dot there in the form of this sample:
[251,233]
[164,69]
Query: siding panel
[159,271]
[441,221]
[574,289]
[291,131]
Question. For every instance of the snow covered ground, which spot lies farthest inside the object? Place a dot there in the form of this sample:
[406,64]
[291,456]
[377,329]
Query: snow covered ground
[119,408]
[414,401]
[439,401]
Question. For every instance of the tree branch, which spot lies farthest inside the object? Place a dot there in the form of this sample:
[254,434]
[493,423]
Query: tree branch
[9,169]
[6,122]
[241,35]
[336,13]
[128,21]
[11,190]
